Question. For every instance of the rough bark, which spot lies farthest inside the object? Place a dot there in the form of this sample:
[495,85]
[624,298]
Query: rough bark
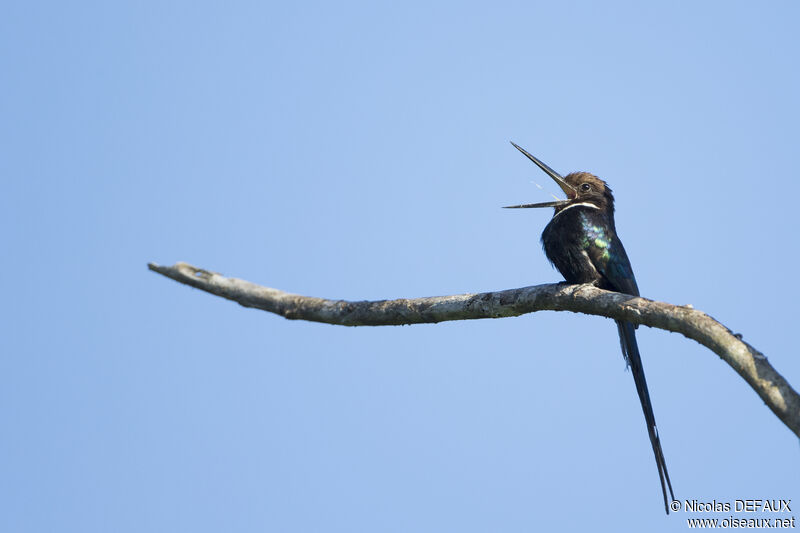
[748,362]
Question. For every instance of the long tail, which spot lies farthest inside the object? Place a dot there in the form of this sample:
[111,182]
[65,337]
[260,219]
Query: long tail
[627,339]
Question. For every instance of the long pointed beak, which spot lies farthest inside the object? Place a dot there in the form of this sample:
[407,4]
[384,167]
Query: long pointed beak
[557,203]
[568,189]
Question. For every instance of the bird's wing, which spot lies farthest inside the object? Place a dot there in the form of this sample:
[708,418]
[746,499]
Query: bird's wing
[609,258]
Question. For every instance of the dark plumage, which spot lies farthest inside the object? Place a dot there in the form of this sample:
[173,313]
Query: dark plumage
[581,242]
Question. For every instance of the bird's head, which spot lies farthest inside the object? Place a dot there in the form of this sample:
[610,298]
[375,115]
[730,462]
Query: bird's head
[580,188]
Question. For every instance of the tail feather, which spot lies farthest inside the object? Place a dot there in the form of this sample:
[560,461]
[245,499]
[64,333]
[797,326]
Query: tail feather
[630,350]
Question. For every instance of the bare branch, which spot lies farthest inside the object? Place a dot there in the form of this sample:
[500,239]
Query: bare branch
[751,364]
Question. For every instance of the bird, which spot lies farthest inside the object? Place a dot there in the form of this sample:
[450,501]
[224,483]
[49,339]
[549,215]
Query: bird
[581,242]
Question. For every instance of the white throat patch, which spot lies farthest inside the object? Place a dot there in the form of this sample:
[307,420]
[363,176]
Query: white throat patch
[582,204]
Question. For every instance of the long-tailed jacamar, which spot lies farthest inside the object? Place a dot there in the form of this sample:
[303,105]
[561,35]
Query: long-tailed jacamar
[581,242]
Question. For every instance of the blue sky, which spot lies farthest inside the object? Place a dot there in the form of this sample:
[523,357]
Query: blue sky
[360,151]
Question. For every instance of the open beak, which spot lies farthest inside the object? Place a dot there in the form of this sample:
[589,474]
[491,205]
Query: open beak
[566,187]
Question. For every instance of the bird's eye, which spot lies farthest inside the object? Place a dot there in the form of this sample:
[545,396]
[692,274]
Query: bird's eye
[586,187]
